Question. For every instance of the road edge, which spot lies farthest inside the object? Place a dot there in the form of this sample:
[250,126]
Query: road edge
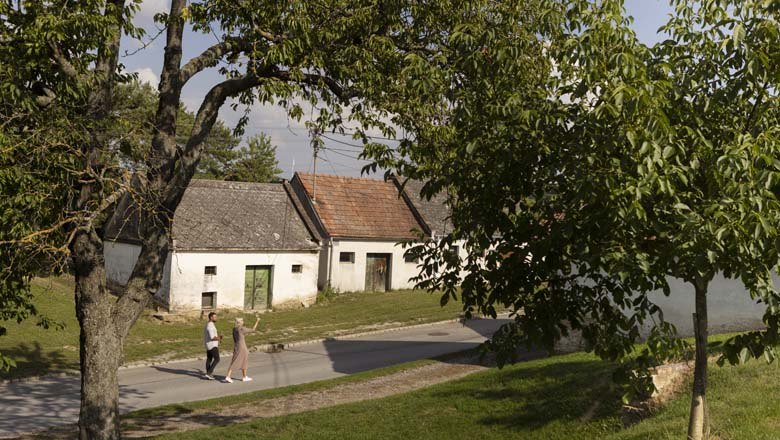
[268,348]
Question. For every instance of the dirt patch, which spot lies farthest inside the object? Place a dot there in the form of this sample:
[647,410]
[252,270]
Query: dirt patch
[375,388]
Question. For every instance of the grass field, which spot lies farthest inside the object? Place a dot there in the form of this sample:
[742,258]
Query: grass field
[565,397]
[38,351]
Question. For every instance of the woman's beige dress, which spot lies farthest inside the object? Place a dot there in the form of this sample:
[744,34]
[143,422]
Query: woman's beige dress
[240,359]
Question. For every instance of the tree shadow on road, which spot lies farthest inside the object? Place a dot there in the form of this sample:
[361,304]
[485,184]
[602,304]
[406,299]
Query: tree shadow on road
[350,356]
[33,405]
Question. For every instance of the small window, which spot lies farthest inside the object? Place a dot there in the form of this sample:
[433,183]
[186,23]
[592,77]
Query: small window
[346,257]
[210,270]
[297,268]
[453,252]
[208,300]
[410,258]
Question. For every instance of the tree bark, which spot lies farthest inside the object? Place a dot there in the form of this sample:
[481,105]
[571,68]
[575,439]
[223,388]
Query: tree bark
[698,423]
[100,347]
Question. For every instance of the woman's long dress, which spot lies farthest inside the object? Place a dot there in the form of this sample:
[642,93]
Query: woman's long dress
[240,352]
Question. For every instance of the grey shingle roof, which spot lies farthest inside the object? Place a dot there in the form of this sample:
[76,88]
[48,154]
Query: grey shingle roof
[434,212]
[220,215]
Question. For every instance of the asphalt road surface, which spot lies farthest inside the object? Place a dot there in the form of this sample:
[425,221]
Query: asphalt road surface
[40,404]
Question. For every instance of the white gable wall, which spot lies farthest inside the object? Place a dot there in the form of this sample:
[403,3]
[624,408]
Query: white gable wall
[729,306]
[351,277]
[120,259]
[188,280]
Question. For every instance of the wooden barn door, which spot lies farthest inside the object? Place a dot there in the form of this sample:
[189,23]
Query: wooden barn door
[257,287]
[377,272]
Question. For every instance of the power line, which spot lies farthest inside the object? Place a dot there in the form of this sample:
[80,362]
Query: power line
[353,130]
[347,155]
[343,165]
[303,127]
[327,159]
[342,149]
[342,142]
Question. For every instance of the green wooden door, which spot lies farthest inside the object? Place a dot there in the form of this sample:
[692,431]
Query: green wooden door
[257,290]
[377,272]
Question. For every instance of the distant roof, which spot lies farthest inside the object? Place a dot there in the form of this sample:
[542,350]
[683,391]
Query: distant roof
[434,211]
[221,215]
[351,207]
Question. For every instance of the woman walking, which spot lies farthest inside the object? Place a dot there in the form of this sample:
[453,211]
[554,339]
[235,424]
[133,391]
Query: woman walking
[240,352]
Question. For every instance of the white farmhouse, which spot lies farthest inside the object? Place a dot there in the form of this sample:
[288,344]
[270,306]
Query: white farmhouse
[362,222]
[234,245]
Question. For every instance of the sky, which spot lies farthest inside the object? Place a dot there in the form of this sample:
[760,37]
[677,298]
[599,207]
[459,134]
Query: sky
[294,150]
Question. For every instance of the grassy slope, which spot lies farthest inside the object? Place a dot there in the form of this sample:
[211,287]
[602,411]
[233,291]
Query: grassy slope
[39,351]
[567,397]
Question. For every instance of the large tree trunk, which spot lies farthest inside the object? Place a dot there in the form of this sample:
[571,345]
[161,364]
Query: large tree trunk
[698,423]
[100,347]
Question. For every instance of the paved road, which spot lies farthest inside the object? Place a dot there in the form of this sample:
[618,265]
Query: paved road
[36,405]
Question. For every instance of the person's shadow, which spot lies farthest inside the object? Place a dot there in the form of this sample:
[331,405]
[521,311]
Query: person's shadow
[194,372]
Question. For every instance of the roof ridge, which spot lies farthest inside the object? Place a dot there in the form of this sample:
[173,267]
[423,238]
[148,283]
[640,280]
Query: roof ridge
[343,177]
[233,184]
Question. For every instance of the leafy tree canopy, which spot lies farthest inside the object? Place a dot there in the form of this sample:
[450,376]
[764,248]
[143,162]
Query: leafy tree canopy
[370,64]
[256,162]
[136,104]
[582,183]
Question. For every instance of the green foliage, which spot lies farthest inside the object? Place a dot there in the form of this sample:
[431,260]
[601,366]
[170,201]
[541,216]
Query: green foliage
[256,162]
[33,192]
[327,294]
[136,104]
[583,168]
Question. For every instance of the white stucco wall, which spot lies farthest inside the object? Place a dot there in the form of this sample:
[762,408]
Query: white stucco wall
[351,277]
[729,308]
[120,259]
[188,281]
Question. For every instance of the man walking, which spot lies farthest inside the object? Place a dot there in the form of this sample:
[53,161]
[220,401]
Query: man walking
[211,339]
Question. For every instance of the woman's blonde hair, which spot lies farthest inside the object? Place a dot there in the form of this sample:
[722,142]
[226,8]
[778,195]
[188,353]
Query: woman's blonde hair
[239,322]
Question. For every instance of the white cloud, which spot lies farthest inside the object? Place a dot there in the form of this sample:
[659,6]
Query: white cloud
[145,16]
[147,75]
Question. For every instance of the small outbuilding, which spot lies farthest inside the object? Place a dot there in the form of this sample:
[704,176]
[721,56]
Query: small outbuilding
[361,222]
[233,245]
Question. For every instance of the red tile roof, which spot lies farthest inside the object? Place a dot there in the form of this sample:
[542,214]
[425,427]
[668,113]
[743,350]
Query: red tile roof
[352,207]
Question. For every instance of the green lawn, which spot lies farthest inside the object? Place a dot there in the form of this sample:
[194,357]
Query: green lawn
[565,397]
[39,351]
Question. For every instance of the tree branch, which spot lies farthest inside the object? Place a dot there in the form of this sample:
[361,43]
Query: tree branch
[64,64]
[314,79]
[108,54]
[179,170]
[164,131]
[147,272]
[211,56]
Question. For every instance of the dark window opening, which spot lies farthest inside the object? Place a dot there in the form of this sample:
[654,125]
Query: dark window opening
[452,253]
[297,268]
[346,257]
[208,300]
[210,270]
[410,258]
